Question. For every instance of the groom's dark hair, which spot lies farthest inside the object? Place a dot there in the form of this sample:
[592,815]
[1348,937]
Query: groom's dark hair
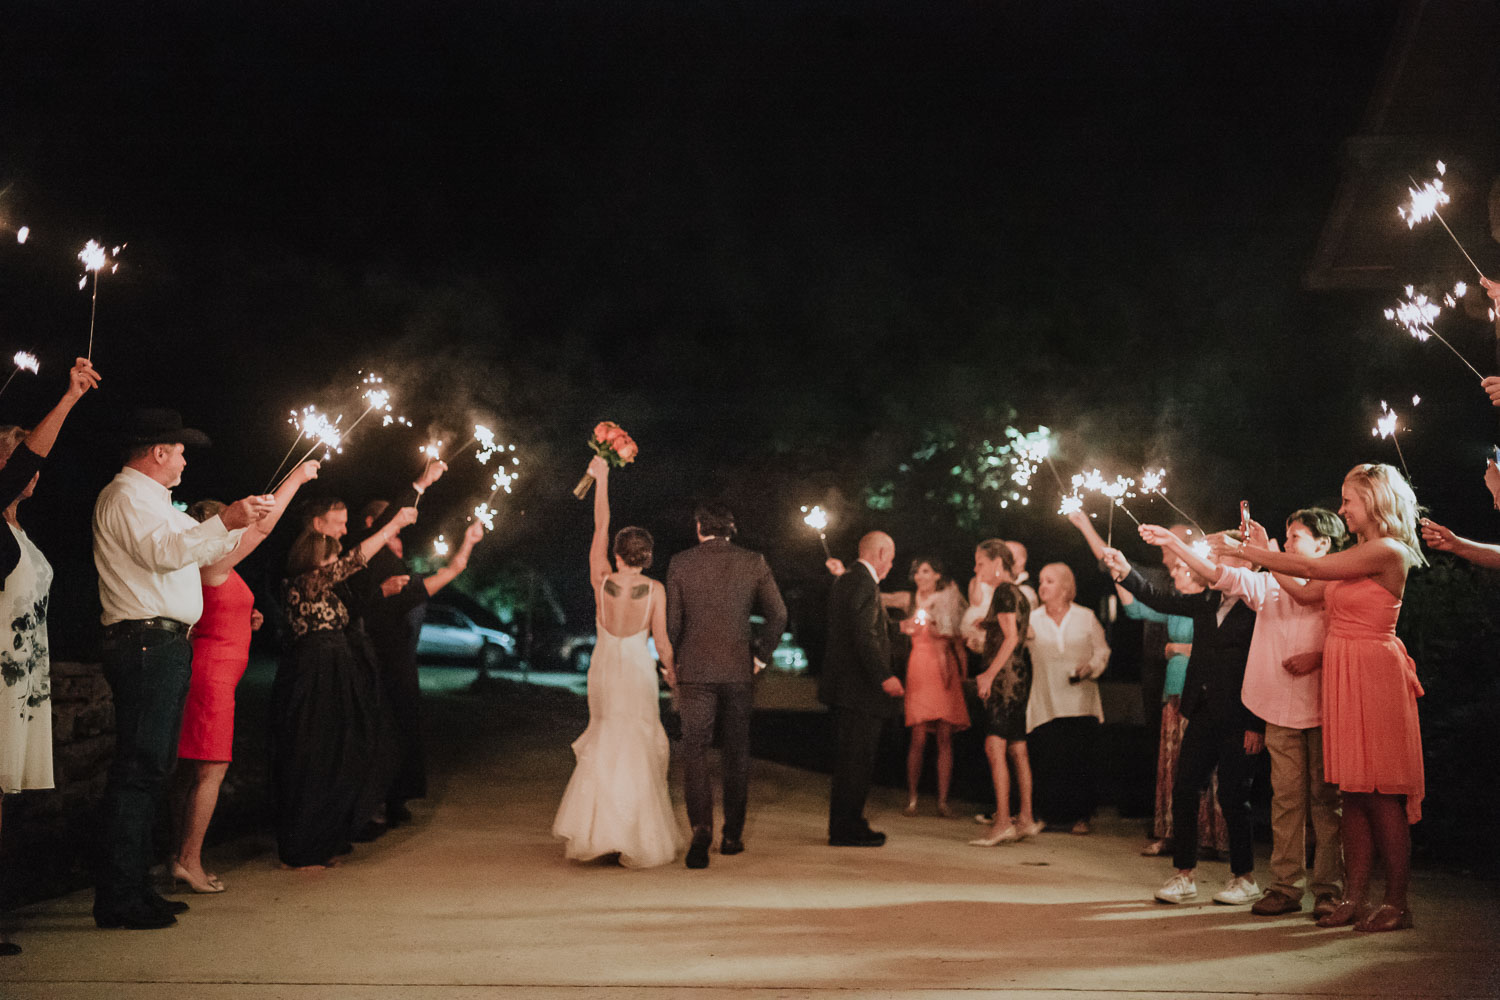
[714,520]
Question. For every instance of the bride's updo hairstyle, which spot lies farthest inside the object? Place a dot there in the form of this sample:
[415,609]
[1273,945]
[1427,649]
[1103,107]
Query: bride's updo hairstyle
[1391,504]
[633,547]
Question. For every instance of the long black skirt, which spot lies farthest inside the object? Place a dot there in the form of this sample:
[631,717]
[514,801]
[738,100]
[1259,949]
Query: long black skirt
[325,742]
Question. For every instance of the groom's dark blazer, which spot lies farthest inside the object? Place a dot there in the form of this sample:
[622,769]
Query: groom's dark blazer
[712,589]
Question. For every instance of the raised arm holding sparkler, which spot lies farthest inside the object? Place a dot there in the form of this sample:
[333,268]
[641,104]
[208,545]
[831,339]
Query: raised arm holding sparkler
[81,378]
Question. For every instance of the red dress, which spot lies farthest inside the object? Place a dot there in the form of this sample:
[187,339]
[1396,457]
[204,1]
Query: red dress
[934,681]
[221,651]
[1372,738]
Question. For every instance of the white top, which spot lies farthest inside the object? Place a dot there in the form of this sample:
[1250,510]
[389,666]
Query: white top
[148,552]
[968,626]
[1283,629]
[1057,651]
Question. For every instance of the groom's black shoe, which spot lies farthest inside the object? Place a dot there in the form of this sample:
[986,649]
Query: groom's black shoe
[697,855]
[731,845]
[857,838]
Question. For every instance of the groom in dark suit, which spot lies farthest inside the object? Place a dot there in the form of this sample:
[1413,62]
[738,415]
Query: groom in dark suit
[858,687]
[712,589]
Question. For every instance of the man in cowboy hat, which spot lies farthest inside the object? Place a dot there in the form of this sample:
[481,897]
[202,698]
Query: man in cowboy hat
[147,553]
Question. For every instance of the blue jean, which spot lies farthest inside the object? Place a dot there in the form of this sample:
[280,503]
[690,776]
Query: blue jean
[148,673]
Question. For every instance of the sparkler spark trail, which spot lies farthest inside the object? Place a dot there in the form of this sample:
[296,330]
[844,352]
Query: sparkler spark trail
[1070,505]
[1424,205]
[24,362]
[1151,482]
[315,427]
[1385,427]
[817,520]
[1416,314]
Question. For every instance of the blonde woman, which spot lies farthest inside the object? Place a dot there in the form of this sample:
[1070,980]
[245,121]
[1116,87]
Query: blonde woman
[1372,743]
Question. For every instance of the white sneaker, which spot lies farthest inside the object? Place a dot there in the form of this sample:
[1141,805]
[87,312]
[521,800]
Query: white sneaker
[1178,888]
[1240,890]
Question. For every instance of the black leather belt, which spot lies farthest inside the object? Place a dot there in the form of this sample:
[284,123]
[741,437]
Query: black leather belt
[141,624]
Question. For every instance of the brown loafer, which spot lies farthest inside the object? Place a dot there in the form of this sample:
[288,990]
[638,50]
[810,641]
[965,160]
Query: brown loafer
[1275,903]
[1324,904]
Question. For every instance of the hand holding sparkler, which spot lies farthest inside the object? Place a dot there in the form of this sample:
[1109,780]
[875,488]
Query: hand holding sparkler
[431,473]
[245,512]
[80,380]
[1491,384]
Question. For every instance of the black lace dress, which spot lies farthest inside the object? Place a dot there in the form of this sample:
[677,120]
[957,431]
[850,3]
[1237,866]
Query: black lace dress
[325,723]
[1005,709]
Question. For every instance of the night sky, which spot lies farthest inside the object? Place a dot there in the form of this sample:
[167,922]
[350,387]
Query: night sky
[782,243]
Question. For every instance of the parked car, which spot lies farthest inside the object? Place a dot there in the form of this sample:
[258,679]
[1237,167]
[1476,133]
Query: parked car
[451,635]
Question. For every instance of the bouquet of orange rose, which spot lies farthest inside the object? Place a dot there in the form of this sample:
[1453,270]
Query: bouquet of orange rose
[611,443]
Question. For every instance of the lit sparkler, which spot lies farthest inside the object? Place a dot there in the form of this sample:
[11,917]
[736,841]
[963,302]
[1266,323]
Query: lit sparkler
[817,520]
[1202,549]
[1385,427]
[1426,202]
[440,546]
[1029,452]
[1117,491]
[315,427]
[1151,482]
[94,259]
[23,234]
[24,362]
[485,515]
[1070,505]
[1416,314]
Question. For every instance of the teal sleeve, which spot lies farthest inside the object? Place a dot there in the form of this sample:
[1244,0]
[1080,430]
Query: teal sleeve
[1139,612]
[1176,676]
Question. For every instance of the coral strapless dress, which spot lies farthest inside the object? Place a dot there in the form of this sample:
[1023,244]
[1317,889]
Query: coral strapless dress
[1372,738]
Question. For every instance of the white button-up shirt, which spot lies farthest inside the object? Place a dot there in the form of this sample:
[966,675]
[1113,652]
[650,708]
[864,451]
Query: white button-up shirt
[1057,651]
[148,552]
[1283,629]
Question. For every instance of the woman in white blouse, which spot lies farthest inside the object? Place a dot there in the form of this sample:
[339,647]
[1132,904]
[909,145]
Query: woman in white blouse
[1068,653]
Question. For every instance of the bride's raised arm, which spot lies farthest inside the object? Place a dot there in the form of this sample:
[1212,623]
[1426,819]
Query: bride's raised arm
[599,566]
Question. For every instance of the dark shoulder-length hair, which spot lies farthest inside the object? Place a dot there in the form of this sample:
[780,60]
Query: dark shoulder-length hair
[309,551]
[937,567]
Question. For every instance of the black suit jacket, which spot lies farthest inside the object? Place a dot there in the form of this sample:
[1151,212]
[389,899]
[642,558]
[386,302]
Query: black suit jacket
[858,657]
[712,589]
[1216,668]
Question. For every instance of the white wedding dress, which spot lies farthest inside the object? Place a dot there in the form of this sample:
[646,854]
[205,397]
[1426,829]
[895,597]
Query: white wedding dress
[617,799]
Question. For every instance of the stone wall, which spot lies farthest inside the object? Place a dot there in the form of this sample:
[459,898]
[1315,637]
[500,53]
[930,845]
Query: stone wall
[49,835]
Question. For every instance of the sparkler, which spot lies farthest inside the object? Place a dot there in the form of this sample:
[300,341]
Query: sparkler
[1031,451]
[1117,491]
[1425,203]
[1151,482]
[1070,505]
[315,427]
[94,258]
[817,520]
[501,481]
[1385,427]
[24,362]
[485,515]
[440,546]
[1416,314]
[23,234]
[485,439]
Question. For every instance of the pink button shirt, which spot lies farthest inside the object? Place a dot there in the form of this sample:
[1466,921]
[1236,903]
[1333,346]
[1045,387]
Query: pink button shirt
[1283,629]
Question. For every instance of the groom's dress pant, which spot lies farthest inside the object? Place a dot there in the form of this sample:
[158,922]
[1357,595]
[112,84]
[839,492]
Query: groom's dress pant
[856,737]
[701,706]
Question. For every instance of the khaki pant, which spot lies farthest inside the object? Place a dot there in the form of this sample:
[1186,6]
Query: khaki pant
[1297,792]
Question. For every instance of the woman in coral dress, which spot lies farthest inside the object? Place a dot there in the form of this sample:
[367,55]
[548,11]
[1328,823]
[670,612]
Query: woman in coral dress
[221,652]
[934,675]
[1372,741]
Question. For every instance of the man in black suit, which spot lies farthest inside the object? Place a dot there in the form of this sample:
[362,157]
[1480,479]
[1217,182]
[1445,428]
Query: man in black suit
[712,589]
[859,688]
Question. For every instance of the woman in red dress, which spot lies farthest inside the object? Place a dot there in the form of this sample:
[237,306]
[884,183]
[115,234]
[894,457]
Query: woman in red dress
[934,680]
[221,651]
[1372,740]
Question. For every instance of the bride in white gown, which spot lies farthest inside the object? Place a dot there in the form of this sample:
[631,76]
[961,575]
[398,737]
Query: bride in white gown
[617,800]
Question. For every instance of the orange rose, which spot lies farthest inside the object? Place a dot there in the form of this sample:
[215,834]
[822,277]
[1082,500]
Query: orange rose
[606,431]
[626,447]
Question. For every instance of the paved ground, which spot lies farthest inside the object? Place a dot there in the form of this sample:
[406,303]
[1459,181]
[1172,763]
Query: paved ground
[475,900]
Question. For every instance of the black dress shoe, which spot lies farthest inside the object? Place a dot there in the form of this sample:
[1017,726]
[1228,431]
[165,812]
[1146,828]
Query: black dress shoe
[731,845]
[139,917]
[697,855]
[9,948]
[344,849]
[161,904]
[396,814]
[865,838]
